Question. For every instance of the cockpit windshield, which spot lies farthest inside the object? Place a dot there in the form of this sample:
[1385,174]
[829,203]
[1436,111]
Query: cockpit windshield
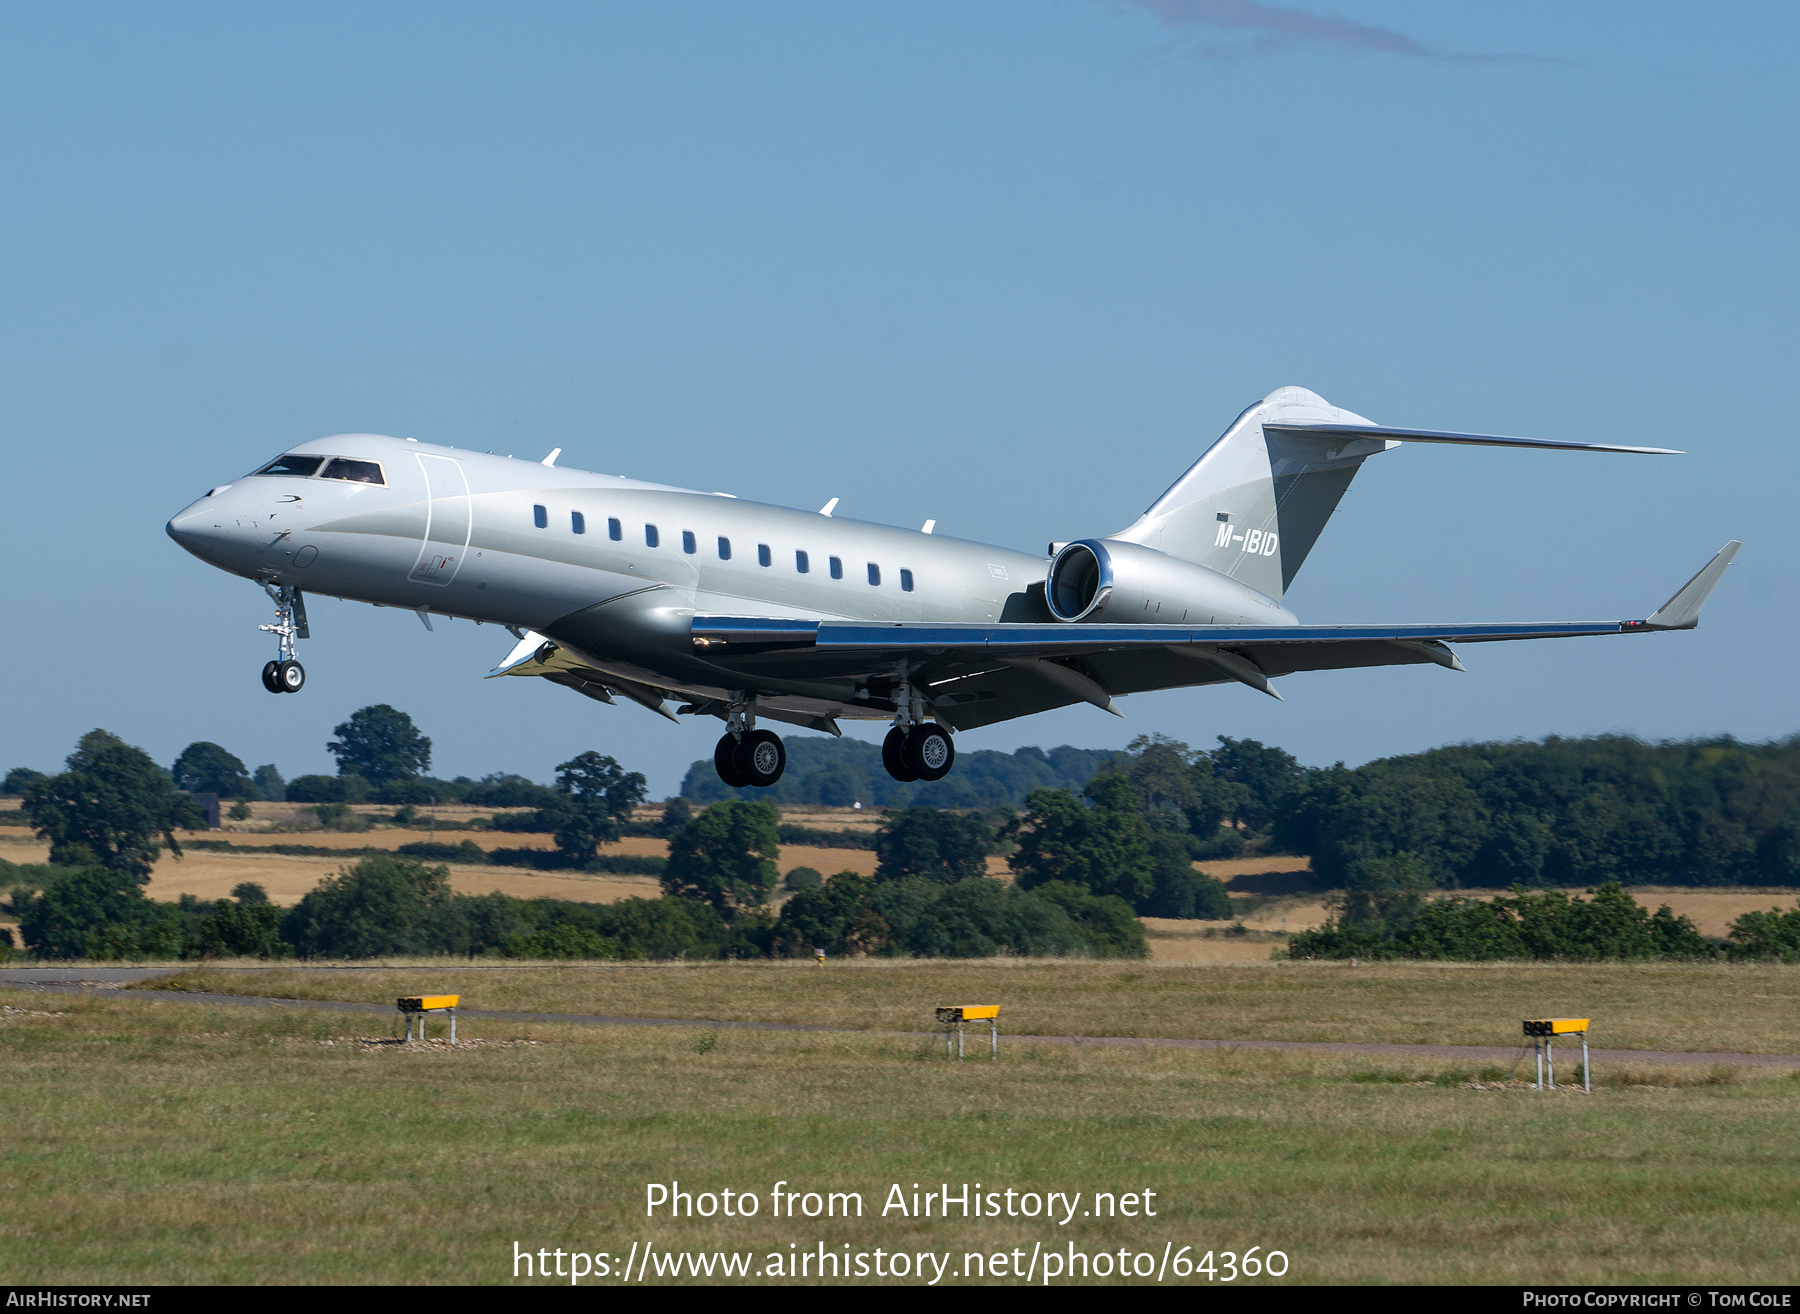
[357,472]
[294,463]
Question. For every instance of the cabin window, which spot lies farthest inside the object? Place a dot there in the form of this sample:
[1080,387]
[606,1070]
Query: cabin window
[874,574]
[906,581]
[614,530]
[724,549]
[837,567]
[687,542]
[578,522]
[540,517]
[293,465]
[762,554]
[357,472]
[801,564]
[651,538]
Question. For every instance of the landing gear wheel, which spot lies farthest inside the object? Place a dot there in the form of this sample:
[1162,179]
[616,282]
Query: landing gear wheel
[724,764]
[760,758]
[271,672]
[928,752]
[893,756]
[290,675]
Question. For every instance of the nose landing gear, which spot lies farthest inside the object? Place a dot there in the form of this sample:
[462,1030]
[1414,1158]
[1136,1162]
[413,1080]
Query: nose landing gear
[746,755]
[284,674]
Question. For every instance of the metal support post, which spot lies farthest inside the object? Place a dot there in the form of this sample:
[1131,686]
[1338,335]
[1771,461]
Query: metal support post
[1587,1073]
[947,1033]
[994,1038]
[453,1026]
[1538,1048]
[959,1042]
[1550,1059]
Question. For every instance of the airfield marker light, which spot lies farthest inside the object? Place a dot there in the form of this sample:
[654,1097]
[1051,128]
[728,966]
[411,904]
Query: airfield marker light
[819,957]
[952,1019]
[420,1005]
[1543,1032]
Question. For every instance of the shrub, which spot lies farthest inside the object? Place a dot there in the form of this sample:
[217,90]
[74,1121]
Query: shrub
[1545,925]
[802,878]
[327,789]
[466,852]
[1770,935]
[96,912]
[242,930]
[379,906]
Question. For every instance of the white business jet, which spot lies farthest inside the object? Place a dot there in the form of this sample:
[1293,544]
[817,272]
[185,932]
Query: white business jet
[619,588]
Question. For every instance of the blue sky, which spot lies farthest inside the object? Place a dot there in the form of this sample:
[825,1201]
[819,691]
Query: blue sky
[1010,266]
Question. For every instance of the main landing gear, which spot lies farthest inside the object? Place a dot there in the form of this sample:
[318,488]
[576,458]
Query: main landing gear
[916,749]
[922,753]
[746,755]
[284,674]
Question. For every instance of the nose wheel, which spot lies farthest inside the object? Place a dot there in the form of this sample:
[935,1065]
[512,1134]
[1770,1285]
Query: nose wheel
[284,677]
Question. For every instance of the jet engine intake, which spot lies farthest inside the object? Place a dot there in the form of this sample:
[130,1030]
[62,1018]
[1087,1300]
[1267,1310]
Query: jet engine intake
[1128,583]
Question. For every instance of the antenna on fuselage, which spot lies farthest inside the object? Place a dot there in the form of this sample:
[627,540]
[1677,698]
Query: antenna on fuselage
[551,459]
[929,526]
[829,507]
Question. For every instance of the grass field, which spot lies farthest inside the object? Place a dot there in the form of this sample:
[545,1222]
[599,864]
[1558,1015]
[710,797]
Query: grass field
[149,1142]
[1676,1007]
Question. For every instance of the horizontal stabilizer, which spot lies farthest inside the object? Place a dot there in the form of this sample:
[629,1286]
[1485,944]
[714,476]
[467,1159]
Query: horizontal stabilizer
[1310,430]
[1682,612]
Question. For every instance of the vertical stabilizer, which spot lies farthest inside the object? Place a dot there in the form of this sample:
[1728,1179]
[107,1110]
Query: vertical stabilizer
[1254,504]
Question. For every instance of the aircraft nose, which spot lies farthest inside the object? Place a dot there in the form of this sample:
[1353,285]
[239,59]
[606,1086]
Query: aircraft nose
[203,528]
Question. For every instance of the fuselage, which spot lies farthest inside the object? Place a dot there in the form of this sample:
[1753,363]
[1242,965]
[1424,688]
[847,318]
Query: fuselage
[615,568]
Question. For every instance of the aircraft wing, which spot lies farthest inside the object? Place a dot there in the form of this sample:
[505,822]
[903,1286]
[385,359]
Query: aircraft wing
[978,674]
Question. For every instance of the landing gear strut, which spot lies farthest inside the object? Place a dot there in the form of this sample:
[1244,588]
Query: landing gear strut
[284,674]
[915,749]
[746,755]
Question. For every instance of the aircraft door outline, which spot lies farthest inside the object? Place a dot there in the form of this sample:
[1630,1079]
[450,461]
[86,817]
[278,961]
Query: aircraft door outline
[449,517]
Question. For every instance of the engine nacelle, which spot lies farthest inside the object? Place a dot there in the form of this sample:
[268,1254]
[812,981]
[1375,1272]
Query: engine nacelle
[1129,584]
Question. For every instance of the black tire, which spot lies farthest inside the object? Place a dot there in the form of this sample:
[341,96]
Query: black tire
[271,673]
[929,752]
[893,755]
[291,676]
[722,762]
[760,758]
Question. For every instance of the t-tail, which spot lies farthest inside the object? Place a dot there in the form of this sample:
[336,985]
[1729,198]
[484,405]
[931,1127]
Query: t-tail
[1256,501]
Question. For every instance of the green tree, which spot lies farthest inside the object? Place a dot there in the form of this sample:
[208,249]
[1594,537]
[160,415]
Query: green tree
[95,912]
[1103,847]
[1178,890]
[594,799]
[1265,774]
[835,915]
[941,846]
[270,787]
[242,930]
[205,768]
[109,808]
[380,906]
[381,745]
[19,779]
[725,857]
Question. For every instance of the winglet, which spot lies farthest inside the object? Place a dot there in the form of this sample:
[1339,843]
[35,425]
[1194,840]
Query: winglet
[1682,612]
